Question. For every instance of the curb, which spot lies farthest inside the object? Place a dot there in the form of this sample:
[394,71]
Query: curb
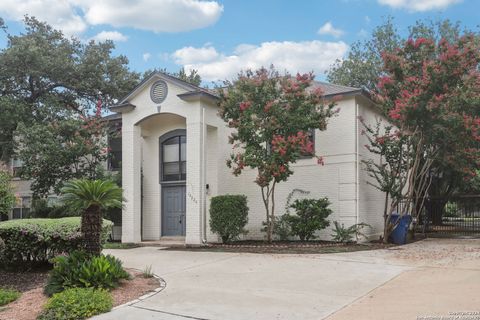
[162,286]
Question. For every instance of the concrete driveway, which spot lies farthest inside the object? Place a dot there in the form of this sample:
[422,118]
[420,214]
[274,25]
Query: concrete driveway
[229,286]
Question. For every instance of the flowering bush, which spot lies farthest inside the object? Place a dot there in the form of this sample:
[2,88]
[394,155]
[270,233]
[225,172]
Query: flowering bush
[31,242]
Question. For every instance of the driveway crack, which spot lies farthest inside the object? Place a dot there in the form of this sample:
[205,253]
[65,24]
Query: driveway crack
[169,313]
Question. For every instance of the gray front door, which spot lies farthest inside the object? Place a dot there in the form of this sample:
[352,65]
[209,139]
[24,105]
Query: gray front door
[173,210]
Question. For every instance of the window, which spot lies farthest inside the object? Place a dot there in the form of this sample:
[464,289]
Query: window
[17,165]
[174,159]
[115,153]
[22,208]
[311,138]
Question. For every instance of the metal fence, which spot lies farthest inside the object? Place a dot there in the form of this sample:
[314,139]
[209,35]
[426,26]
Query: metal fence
[457,216]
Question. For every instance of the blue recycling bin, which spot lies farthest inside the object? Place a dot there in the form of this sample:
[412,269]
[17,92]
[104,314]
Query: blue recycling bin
[399,234]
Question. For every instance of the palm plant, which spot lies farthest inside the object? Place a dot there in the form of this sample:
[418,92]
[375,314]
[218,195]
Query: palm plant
[92,197]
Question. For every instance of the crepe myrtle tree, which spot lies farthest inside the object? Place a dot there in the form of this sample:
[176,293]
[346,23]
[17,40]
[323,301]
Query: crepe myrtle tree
[271,116]
[431,93]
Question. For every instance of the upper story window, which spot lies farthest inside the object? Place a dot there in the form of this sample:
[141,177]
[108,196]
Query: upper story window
[174,159]
[16,166]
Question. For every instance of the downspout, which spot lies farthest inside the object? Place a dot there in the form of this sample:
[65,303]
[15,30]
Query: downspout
[203,189]
[357,166]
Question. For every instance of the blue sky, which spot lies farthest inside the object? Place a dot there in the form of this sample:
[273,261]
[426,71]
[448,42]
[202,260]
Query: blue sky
[220,37]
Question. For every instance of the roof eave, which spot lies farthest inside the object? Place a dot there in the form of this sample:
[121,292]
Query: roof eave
[122,107]
[198,95]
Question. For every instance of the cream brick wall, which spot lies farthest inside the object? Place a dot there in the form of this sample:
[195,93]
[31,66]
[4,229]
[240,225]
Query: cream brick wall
[335,180]
[371,200]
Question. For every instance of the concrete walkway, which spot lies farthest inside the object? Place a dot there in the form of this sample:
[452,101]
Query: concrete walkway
[358,285]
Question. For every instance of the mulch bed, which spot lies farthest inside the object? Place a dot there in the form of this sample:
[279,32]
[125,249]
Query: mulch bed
[31,284]
[290,247]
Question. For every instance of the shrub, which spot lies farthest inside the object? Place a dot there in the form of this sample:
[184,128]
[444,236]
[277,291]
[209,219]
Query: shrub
[77,303]
[310,217]
[7,197]
[345,235]
[78,269]
[30,242]
[8,295]
[42,209]
[228,216]
[281,227]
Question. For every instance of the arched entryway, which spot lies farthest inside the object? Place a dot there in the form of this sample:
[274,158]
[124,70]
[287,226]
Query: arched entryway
[172,178]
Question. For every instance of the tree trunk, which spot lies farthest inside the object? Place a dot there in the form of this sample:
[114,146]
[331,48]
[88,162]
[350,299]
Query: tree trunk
[436,211]
[91,229]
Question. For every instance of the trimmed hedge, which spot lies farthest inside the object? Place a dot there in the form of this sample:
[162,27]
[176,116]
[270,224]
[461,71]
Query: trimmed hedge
[29,242]
[77,303]
[228,216]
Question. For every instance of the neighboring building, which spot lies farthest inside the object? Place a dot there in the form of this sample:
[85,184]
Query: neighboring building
[175,145]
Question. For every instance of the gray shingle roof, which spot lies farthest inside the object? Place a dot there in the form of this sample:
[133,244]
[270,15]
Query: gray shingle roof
[330,89]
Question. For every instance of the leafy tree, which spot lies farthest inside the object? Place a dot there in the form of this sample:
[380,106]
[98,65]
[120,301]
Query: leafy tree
[55,152]
[390,168]
[431,92]
[45,76]
[363,65]
[92,197]
[7,197]
[271,116]
[192,77]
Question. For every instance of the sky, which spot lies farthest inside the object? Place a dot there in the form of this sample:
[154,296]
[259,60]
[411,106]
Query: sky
[219,38]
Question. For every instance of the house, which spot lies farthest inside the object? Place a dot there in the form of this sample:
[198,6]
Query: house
[174,147]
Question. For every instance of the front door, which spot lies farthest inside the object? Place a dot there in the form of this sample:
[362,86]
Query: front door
[173,210]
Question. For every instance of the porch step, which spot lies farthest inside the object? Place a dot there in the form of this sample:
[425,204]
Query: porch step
[165,242]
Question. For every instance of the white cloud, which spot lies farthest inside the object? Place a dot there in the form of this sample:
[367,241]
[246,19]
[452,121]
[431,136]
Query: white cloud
[146,56]
[329,29]
[363,33]
[188,55]
[419,5]
[59,14]
[153,15]
[110,35]
[291,56]
[74,16]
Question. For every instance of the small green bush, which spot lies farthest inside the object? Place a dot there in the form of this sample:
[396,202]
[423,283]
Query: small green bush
[311,216]
[78,269]
[42,209]
[228,216]
[8,295]
[29,242]
[281,227]
[346,235]
[77,303]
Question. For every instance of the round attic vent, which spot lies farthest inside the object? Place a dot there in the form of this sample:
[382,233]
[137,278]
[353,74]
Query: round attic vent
[158,91]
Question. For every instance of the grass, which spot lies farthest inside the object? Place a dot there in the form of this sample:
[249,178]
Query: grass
[8,295]
[119,245]
[147,272]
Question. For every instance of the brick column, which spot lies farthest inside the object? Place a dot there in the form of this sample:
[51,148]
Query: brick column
[194,181]
[131,183]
